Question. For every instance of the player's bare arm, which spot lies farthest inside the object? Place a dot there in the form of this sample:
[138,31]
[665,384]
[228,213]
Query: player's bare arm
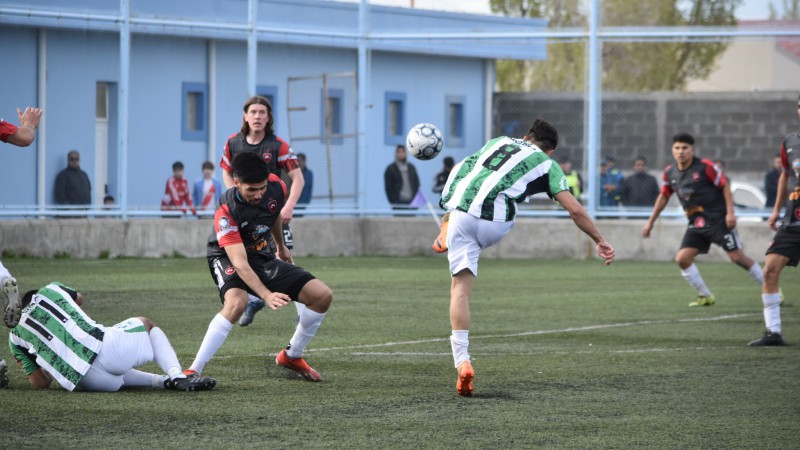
[730,215]
[283,252]
[585,223]
[238,256]
[294,194]
[40,379]
[26,132]
[661,203]
[227,178]
[780,199]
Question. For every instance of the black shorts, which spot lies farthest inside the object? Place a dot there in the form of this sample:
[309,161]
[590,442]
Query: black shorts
[702,238]
[786,243]
[277,276]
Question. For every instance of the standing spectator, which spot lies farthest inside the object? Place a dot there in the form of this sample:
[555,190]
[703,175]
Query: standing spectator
[207,190]
[441,177]
[72,184]
[308,177]
[706,198]
[610,181]
[400,180]
[771,181]
[641,188]
[574,180]
[22,135]
[177,191]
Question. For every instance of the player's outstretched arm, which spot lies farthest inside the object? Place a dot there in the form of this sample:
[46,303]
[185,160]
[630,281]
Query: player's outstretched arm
[238,256]
[28,122]
[661,203]
[294,194]
[585,223]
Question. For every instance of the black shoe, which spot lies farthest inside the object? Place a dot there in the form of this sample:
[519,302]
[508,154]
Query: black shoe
[3,374]
[768,339]
[191,383]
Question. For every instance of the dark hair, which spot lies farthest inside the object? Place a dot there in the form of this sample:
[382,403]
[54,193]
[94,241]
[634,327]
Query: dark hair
[301,156]
[259,100]
[26,299]
[108,198]
[449,161]
[544,135]
[686,138]
[208,165]
[250,168]
[177,165]
[640,158]
[399,146]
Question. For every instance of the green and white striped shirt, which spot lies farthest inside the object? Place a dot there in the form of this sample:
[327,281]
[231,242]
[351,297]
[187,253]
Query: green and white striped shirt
[63,339]
[490,183]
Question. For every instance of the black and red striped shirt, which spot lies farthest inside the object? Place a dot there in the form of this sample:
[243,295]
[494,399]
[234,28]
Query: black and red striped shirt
[699,188]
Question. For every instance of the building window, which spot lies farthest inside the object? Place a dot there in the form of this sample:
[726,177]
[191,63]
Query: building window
[395,118]
[195,112]
[454,128]
[271,94]
[332,109]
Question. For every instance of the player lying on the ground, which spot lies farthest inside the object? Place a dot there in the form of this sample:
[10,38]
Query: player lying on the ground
[56,340]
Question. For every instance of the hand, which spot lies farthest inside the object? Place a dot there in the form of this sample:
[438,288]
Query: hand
[286,214]
[606,251]
[29,118]
[284,254]
[730,221]
[276,299]
[772,221]
[646,230]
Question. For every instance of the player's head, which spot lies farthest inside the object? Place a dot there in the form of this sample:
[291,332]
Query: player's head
[250,175]
[543,135]
[177,169]
[683,148]
[257,116]
[26,299]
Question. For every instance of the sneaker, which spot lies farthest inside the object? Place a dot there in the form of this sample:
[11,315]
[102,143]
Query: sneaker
[3,374]
[11,304]
[703,301]
[440,243]
[250,313]
[465,376]
[299,365]
[768,339]
[191,383]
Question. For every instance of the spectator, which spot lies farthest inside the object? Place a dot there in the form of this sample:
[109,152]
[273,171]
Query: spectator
[641,188]
[207,190]
[771,181]
[611,181]
[401,180]
[308,176]
[72,184]
[177,191]
[441,177]
[22,135]
[574,179]
[108,202]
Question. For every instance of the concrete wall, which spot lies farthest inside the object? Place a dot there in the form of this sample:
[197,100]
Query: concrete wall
[372,236]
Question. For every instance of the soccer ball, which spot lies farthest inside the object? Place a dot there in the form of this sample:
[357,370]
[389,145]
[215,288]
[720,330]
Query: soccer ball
[424,141]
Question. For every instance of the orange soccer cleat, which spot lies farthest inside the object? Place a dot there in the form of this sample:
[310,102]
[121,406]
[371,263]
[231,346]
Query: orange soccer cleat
[440,243]
[465,376]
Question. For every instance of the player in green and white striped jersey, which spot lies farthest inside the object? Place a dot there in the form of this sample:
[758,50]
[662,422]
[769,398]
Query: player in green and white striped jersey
[481,197]
[56,340]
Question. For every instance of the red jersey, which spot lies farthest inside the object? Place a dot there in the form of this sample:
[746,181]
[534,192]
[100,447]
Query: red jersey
[276,152]
[176,194]
[699,188]
[6,130]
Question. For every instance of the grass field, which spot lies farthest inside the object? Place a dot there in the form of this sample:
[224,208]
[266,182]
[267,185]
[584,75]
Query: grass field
[568,354]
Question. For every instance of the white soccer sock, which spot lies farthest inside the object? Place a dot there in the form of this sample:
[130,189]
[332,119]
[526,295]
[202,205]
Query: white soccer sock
[459,342]
[217,332]
[137,378]
[772,311]
[4,273]
[756,273]
[692,275]
[164,354]
[306,329]
[300,308]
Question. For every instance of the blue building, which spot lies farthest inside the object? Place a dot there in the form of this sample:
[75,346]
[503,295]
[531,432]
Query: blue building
[135,85]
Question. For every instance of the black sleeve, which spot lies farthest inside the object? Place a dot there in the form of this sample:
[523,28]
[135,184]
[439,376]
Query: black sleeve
[72,293]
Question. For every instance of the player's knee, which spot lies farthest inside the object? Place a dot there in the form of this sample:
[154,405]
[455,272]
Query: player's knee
[771,273]
[683,262]
[318,297]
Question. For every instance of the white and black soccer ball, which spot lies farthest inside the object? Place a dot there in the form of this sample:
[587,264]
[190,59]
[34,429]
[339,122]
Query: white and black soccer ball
[424,141]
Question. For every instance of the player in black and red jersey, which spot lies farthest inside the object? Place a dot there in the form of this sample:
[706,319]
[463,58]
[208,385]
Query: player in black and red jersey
[706,198]
[258,136]
[785,246]
[242,262]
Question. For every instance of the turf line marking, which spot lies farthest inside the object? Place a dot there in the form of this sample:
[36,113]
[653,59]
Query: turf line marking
[560,352]
[536,333]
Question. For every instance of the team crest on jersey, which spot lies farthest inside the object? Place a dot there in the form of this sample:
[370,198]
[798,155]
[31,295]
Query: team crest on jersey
[261,229]
[699,222]
[267,157]
[230,270]
[696,177]
[272,206]
[797,213]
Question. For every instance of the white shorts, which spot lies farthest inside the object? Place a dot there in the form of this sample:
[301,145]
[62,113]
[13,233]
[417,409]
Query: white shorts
[467,235]
[125,345]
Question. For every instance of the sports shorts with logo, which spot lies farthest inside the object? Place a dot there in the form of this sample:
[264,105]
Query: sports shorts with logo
[702,238]
[467,235]
[125,345]
[786,243]
[277,276]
